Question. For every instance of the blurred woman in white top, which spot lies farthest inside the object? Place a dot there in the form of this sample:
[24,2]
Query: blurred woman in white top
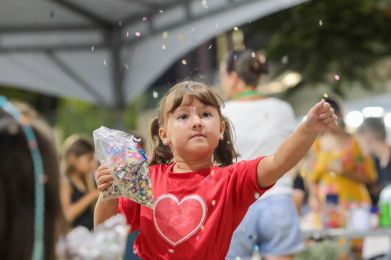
[260,123]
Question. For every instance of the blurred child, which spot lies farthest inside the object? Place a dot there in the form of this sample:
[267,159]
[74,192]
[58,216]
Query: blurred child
[201,196]
[78,193]
[340,173]
[374,136]
[30,212]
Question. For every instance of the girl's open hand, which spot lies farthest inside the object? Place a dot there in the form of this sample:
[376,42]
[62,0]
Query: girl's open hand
[320,117]
[103,178]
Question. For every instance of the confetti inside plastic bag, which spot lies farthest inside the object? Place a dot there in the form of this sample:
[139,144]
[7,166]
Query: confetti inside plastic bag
[127,163]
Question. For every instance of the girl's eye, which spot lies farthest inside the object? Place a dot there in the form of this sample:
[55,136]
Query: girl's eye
[206,114]
[182,116]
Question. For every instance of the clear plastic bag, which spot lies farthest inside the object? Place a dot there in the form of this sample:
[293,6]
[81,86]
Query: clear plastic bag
[106,242]
[127,163]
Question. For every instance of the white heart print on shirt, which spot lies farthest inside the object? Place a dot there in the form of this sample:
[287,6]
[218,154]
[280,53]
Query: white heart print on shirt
[175,220]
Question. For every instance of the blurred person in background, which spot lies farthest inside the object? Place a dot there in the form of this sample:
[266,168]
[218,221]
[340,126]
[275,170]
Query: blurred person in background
[78,192]
[340,166]
[372,133]
[340,169]
[28,170]
[266,225]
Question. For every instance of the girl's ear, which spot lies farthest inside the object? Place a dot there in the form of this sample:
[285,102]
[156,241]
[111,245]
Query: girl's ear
[163,136]
[222,129]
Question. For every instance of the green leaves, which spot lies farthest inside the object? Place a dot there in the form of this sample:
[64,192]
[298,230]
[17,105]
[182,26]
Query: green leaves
[325,38]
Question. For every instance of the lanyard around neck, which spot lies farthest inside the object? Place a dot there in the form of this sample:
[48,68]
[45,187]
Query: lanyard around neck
[246,93]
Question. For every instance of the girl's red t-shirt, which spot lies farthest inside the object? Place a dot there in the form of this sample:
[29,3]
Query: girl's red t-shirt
[195,213]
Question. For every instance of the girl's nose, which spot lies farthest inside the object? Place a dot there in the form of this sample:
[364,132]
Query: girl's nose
[196,121]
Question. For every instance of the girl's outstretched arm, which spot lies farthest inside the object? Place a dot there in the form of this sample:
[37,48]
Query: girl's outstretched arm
[320,117]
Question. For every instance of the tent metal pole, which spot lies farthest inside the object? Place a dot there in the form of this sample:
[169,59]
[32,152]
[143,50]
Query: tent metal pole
[117,77]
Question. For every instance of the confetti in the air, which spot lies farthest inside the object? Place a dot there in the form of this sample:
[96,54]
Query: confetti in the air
[320,22]
[216,25]
[171,251]
[145,19]
[184,62]
[92,48]
[161,11]
[325,95]
[137,34]
[213,202]
[210,46]
[285,59]
[236,28]
[180,38]
[127,34]
[126,66]
[256,195]
[193,29]
[253,55]
[155,94]
[204,4]
[337,77]
[164,47]
[119,23]
[104,62]
[165,35]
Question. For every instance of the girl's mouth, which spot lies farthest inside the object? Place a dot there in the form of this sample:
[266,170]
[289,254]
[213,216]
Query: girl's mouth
[197,135]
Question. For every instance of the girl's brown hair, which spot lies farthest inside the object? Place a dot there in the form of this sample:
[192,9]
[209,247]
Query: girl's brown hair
[77,145]
[184,92]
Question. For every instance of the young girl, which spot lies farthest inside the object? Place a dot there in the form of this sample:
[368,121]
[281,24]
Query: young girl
[78,193]
[200,196]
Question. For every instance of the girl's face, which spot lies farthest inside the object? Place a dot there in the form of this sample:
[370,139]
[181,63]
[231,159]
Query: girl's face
[193,130]
[84,164]
[368,140]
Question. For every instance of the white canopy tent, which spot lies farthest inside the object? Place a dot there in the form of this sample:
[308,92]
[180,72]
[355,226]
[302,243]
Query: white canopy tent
[109,51]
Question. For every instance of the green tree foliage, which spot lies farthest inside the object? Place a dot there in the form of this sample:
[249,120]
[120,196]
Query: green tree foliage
[75,116]
[329,40]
